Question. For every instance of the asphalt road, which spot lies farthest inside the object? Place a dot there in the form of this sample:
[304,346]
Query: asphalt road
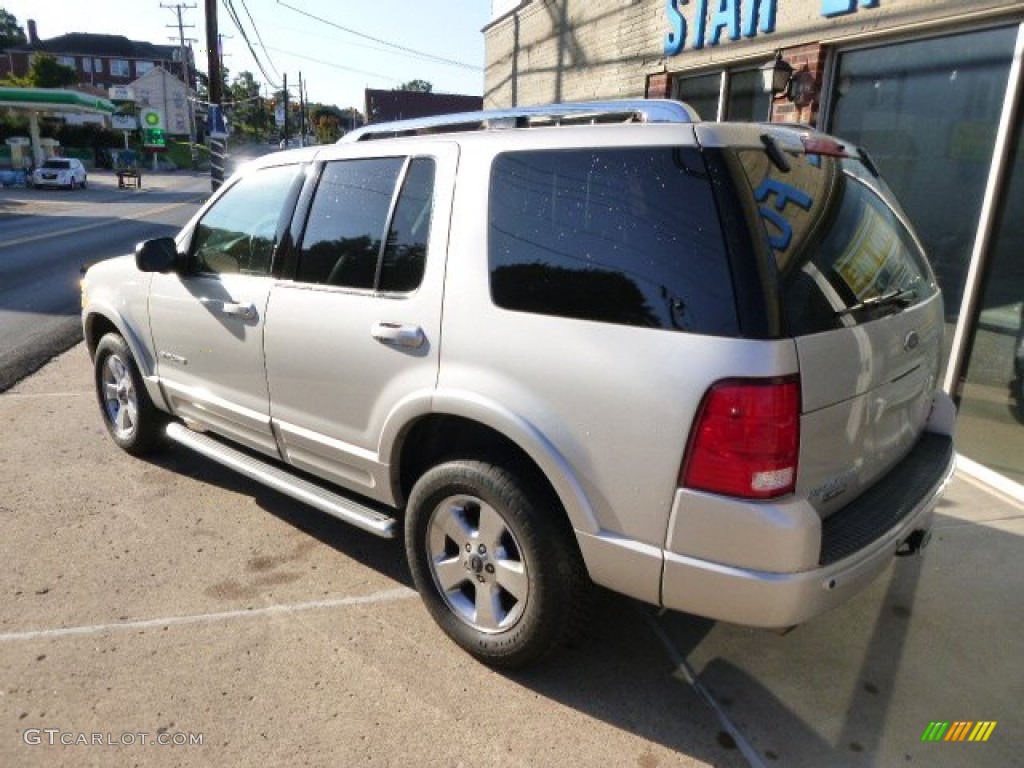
[46,236]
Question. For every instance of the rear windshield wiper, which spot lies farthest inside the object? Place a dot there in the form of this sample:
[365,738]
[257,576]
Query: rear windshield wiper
[899,299]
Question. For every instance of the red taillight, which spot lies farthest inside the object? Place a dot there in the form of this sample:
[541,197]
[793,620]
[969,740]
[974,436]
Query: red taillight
[746,440]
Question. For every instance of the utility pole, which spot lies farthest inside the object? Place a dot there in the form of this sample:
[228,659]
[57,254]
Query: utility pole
[284,96]
[217,146]
[302,113]
[187,71]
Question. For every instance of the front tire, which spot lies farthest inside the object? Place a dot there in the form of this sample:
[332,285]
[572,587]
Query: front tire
[131,419]
[495,563]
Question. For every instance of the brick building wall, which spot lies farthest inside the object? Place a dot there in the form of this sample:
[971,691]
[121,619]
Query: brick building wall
[572,50]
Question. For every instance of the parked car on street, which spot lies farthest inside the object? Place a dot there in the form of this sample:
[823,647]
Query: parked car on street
[65,172]
[695,363]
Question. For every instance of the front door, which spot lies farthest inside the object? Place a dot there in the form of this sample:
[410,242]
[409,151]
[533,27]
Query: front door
[208,321]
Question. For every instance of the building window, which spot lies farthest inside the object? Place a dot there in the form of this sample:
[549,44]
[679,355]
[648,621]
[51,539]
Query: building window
[142,67]
[120,68]
[97,66]
[927,112]
[67,61]
[87,64]
[727,95]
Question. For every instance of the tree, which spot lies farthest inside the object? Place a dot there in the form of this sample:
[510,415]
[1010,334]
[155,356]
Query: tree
[248,113]
[11,33]
[420,86]
[46,72]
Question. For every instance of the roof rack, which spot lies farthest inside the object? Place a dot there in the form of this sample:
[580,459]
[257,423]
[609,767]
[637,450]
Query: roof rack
[575,113]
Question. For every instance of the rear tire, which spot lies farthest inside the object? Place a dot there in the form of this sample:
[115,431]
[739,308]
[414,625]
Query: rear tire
[131,419]
[495,563]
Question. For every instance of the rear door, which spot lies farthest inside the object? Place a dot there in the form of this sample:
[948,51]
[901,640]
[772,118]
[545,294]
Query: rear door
[356,335]
[860,300]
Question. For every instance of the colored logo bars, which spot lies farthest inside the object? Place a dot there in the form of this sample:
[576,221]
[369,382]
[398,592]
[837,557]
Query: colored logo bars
[959,730]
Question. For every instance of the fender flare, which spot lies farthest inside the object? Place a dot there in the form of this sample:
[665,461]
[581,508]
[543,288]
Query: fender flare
[491,414]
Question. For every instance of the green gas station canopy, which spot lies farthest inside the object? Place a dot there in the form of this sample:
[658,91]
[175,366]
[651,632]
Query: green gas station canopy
[53,100]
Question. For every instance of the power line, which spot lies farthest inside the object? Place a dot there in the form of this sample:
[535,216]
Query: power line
[229,5]
[260,38]
[336,66]
[396,46]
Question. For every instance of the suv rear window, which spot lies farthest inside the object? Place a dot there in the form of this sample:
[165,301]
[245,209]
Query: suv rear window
[627,236]
[839,244]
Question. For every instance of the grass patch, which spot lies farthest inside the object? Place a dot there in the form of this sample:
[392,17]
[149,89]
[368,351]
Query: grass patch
[178,153]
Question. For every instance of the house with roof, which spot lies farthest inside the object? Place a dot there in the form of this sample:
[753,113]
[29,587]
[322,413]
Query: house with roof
[100,61]
[161,90]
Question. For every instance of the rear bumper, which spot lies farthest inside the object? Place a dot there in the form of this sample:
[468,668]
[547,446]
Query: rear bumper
[855,548]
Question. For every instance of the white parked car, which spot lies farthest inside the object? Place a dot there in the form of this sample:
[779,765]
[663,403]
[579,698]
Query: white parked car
[61,172]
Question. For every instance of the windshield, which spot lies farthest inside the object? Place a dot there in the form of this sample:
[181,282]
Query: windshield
[62,165]
[841,244]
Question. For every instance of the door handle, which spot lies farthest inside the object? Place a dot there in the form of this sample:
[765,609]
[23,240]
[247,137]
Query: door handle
[396,335]
[245,312]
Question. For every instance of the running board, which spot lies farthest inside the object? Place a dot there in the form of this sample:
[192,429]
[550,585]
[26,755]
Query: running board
[338,506]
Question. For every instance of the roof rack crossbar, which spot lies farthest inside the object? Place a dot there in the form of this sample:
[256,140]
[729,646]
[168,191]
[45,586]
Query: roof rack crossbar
[632,110]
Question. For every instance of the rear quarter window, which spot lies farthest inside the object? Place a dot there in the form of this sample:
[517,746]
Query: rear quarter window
[837,239]
[626,236]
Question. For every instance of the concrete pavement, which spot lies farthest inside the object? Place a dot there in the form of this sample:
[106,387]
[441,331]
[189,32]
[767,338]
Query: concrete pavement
[172,598]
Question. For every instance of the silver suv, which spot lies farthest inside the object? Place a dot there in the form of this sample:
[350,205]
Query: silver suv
[695,363]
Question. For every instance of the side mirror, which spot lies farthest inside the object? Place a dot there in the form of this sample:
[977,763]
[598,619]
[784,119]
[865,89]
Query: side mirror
[157,255]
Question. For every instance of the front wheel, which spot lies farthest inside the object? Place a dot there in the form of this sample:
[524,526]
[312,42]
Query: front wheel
[134,423]
[495,562]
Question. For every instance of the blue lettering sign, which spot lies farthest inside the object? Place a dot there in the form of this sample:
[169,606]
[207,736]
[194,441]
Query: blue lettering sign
[700,23]
[784,194]
[726,17]
[752,13]
[830,8]
[737,18]
[676,37]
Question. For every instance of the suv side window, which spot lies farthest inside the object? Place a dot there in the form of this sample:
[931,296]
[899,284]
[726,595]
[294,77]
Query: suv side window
[627,236]
[238,233]
[405,251]
[355,205]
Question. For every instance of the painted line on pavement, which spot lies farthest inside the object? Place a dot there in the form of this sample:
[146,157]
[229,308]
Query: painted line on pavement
[46,394]
[384,596]
[95,225]
[686,671]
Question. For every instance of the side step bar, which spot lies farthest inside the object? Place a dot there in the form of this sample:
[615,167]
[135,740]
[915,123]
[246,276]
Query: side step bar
[338,506]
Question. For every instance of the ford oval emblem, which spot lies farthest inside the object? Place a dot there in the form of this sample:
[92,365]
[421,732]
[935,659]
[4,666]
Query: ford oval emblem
[911,341]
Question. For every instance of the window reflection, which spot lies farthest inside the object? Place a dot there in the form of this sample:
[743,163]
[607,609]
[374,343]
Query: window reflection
[989,427]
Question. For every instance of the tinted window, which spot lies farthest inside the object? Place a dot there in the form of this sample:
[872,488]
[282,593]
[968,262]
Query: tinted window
[628,236]
[58,164]
[406,250]
[346,224]
[837,239]
[238,233]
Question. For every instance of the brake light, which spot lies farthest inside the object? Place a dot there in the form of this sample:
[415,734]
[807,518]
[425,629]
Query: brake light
[746,440]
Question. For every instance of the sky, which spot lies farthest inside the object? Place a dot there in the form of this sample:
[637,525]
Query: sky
[336,64]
